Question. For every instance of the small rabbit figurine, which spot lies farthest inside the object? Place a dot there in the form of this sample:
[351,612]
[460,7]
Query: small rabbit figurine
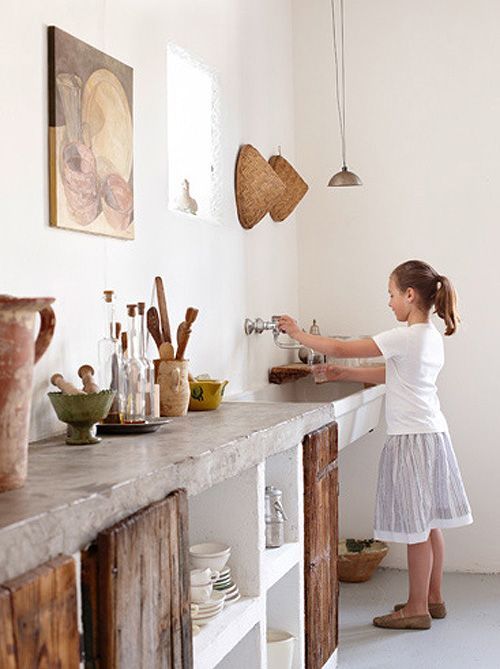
[185,202]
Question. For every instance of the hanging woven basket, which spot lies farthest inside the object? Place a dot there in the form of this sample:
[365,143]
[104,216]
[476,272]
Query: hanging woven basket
[258,186]
[295,188]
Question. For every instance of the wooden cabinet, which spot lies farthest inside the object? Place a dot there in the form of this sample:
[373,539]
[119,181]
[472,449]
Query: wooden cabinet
[38,618]
[135,588]
[320,545]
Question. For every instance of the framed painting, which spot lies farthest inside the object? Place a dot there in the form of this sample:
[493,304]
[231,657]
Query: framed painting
[90,139]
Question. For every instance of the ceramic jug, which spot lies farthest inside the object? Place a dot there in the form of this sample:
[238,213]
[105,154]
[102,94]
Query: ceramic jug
[172,377]
[18,353]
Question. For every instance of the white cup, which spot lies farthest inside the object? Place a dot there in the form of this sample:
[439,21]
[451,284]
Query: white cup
[201,593]
[280,646]
[203,576]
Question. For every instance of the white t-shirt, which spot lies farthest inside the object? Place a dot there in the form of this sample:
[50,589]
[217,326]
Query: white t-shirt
[414,357]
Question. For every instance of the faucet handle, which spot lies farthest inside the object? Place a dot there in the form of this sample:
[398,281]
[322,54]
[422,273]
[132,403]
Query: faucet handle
[258,325]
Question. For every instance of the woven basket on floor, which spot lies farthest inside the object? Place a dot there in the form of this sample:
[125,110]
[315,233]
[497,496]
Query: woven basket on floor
[257,186]
[359,567]
[295,185]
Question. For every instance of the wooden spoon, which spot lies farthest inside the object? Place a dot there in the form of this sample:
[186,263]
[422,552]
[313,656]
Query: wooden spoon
[153,322]
[184,332]
[166,351]
[162,306]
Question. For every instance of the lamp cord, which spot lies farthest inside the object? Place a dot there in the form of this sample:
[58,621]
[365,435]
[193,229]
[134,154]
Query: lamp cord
[340,105]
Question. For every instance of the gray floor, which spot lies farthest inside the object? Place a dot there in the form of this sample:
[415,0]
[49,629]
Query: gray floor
[468,637]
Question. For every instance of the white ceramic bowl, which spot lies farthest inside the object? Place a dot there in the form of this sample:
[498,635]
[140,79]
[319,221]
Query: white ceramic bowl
[210,549]
[213,555]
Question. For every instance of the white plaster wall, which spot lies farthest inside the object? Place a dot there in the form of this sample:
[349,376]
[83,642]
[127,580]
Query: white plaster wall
[226,272]
[422,129]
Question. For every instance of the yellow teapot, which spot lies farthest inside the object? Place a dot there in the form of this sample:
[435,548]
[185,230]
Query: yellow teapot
[206,394]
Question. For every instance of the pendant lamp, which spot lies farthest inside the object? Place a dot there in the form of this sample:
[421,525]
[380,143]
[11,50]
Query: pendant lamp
[345,177]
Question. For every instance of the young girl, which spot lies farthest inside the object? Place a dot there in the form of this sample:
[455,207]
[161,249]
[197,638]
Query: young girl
[420,488]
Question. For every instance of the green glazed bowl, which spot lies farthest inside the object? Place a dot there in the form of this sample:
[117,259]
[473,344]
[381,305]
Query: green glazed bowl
[81,413]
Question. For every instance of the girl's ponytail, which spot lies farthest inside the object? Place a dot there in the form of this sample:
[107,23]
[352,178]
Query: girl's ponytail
[445,304]
[432,289]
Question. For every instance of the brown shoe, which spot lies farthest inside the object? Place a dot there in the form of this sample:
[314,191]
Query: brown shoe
[404,622]
[437,610]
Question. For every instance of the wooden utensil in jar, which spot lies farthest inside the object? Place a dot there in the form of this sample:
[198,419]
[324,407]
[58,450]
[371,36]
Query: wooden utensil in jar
[167,351]
[184,332]
[162,306]
[153,322]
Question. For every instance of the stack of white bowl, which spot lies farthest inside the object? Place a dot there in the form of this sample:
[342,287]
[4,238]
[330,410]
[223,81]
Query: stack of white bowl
[206,561]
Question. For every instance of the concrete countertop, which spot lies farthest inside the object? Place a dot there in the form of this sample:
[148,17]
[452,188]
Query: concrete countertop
[74,492]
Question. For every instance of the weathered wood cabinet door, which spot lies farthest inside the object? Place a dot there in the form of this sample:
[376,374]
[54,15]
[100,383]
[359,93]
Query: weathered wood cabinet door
[38,618]
[135,586]
[321,544]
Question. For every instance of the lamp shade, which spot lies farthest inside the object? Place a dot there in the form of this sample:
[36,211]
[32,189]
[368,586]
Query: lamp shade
[345,178]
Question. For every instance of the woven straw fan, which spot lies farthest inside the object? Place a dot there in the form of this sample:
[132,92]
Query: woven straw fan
[258,186]
[295,188]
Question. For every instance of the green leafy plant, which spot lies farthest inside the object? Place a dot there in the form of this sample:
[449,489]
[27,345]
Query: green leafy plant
[357,545]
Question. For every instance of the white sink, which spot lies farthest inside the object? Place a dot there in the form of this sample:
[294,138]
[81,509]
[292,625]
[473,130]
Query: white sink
[357,409]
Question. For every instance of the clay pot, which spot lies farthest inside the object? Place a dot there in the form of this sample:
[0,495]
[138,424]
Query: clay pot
[18,353]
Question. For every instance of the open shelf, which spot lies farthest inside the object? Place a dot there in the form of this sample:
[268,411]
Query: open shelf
[285,609]
[276,562]
[216,639]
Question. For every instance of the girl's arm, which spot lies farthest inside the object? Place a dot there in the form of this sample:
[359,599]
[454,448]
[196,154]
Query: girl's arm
[336,348]
[375,374]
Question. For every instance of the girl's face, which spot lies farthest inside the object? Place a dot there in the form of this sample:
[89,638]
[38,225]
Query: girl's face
[399,302]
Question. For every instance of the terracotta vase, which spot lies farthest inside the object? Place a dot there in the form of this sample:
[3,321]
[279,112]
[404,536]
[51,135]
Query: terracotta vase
[172,377]
[18,353]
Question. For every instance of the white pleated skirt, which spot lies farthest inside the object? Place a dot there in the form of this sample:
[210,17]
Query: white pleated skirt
[419,488]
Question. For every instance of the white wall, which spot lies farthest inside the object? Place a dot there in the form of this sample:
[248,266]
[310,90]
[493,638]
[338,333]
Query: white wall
[423,134]
[226,272]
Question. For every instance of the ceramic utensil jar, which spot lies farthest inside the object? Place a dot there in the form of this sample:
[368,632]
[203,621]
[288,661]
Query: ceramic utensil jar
[275,518]
[172,377]
[18,354]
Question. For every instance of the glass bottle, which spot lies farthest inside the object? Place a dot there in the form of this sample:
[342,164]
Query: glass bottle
[148,364]
[118,376]
[109,355]
[135,374]
[308,355]
[106,345]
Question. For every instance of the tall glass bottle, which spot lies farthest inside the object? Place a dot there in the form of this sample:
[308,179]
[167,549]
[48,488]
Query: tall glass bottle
[135,374]
[106,345]
[148,364]
[109,355]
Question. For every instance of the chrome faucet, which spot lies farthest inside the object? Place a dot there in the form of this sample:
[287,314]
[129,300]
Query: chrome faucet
[258,326]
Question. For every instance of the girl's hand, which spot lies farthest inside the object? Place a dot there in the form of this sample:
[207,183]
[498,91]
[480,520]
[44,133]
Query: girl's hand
[325,372]
[289,325]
